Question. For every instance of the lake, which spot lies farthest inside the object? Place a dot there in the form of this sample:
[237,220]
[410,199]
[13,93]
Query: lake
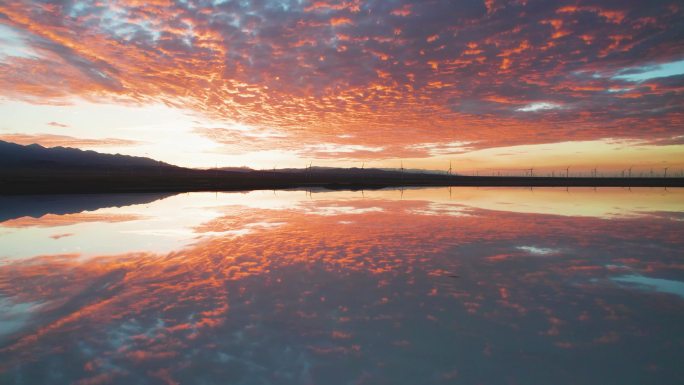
[414,286]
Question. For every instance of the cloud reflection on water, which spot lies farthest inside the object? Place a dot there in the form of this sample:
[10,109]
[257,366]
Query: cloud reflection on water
[384,287]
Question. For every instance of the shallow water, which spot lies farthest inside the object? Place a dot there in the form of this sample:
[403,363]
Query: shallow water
[420,286]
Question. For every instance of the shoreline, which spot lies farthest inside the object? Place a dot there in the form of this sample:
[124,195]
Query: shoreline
[191,183]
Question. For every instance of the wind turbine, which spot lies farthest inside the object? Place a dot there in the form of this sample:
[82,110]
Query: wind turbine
[629,172]
[567,172]
[449,168]
[665,173]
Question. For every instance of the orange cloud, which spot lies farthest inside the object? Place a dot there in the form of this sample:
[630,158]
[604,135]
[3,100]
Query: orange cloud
[340,21]
[403,11]
[50,140]
[290,69]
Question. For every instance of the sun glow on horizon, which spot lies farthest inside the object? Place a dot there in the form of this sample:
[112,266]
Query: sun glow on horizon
[348,84]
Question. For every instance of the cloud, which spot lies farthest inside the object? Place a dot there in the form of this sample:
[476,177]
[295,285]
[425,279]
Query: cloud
[59,236]
[57,124]
[672,141]
[639,74]
[539,106]
[50,140]
[436,149]
[330,150]
[384,73]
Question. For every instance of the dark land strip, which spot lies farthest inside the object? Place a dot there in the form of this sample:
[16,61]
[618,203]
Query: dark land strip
[172,179]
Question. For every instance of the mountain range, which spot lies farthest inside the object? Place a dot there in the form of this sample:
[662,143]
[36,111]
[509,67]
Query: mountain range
[35,155]
[34,169]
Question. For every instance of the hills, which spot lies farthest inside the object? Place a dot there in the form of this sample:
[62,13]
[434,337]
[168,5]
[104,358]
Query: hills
[34,155]
[34,169]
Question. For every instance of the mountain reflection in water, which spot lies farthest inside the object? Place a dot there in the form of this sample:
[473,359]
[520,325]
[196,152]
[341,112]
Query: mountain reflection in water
[424,286]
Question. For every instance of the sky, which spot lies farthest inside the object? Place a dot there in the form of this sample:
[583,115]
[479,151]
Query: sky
[490,86]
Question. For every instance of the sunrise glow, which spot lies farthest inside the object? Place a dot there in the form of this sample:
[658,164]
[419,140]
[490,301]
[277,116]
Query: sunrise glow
[489,85]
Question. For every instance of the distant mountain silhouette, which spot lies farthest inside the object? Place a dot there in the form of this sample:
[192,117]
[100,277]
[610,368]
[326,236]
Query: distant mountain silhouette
[36,156]
[236,169]
[35,169]
[352,172]
[334,171]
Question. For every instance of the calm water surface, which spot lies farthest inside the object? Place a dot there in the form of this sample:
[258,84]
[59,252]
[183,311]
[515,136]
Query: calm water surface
[427,286]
